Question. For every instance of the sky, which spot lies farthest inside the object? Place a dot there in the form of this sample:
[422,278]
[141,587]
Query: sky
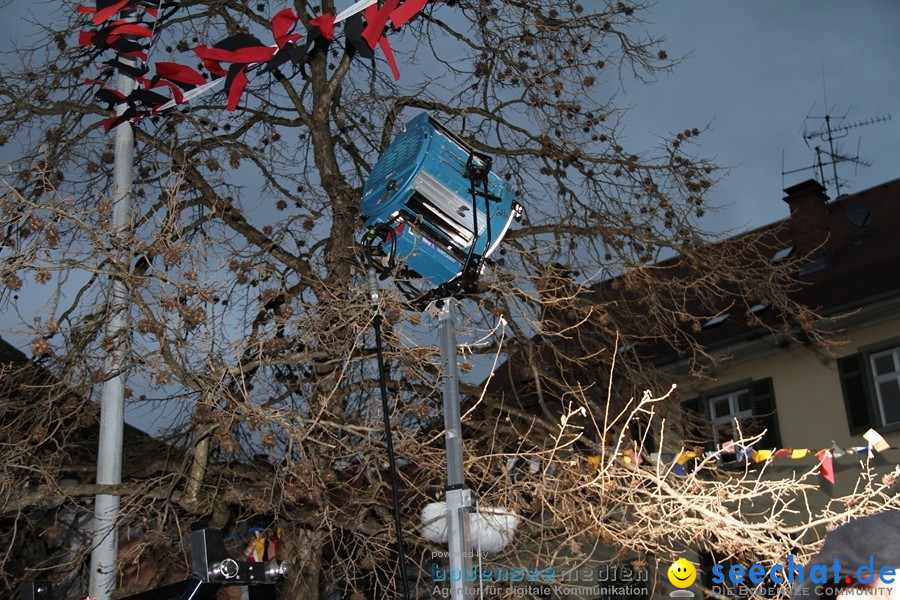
[754,71]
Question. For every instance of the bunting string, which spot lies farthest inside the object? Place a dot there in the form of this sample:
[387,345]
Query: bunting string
[732,452]
[230,60]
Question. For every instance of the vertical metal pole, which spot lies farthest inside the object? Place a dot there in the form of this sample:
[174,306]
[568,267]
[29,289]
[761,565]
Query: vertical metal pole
[459,498]
[112,400]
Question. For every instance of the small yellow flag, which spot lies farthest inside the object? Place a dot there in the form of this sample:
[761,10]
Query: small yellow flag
[685,456]
[761,455]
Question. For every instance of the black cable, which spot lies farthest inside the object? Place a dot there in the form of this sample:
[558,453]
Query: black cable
[471,174]
[376,237]
[487,211]
[476,175]
[388,437]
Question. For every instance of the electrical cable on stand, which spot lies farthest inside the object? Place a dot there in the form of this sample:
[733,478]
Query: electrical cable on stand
[375,296]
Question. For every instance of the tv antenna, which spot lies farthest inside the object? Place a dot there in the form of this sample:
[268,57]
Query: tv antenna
[832,130]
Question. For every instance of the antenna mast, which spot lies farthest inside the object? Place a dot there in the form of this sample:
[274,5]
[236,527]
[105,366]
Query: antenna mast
[832,131]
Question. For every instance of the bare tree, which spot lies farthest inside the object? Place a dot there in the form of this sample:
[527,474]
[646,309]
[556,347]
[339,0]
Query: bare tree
[251,327]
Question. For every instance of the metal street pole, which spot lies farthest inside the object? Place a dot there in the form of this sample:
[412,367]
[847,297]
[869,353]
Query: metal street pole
[459,498]
[112,400]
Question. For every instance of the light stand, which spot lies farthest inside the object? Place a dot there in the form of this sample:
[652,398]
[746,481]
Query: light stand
[435,211]
[460,501]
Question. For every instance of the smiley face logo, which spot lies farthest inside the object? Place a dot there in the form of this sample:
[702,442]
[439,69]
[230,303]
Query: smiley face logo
[682,573]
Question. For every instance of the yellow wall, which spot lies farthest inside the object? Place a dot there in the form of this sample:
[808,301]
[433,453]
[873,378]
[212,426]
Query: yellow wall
[807,389]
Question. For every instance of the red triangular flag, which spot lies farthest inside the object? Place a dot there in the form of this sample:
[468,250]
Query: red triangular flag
[124,28]
[243,56]
[179,74]
[826,465]
[108,10]
[389,56]
[325,23]
[376,19]
[238,83]
[156,82]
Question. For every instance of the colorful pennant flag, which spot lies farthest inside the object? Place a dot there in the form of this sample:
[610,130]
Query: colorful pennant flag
[730,448]
[826,465]
[876,441]
[762,455]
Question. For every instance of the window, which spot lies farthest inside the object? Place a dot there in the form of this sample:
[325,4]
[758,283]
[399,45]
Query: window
[886,372]
[783,254]
[757,308]
[870,382]
[749,406]
[718,320]
[817,264]
[728,413]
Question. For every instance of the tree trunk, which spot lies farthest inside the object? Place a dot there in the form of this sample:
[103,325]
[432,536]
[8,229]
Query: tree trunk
[304,548]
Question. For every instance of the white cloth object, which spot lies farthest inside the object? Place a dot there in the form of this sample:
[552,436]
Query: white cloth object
[492,529]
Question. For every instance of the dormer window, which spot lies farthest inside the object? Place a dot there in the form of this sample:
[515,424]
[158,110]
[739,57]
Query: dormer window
[718,320]
[757,308]
[783,254]
[815,265]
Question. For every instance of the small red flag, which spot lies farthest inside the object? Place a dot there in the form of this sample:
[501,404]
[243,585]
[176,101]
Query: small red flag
[826,465]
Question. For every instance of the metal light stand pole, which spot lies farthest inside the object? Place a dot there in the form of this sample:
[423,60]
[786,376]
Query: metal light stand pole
[459,499]
[112,400]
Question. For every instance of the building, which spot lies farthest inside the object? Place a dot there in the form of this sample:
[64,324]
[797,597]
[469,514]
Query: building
[845,253]
[49,434]
[808,397]
[796,393]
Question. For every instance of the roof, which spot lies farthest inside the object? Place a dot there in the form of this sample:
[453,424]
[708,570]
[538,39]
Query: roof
[846,257]
[864,255]
[63,422]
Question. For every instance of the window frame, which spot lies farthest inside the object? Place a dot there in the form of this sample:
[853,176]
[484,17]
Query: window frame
[763,407]
[867,386]
[878,379]
[734,410]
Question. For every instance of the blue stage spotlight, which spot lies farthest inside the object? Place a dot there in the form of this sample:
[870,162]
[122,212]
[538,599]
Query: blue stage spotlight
[433,207]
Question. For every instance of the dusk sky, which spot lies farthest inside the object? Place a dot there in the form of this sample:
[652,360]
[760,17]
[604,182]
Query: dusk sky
[752,73]
[755,72]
